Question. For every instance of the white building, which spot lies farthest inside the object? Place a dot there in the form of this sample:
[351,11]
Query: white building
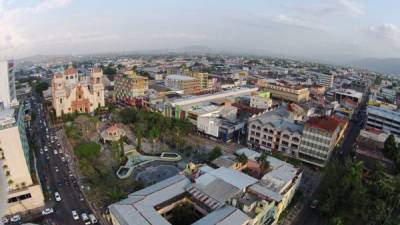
[7,84]
[23,193]
[384,119]
[323,79]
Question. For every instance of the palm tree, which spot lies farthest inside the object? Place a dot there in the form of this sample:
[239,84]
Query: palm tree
[264,163]
[242,159]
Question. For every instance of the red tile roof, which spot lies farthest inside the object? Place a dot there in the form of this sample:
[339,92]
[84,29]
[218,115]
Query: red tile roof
[70,71]
[326,123]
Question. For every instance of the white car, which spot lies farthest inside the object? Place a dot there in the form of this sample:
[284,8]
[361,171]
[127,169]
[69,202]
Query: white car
[57,196]
[56,169]
[92,218]
[4,220]
[47,211]
[41,151]
[75,215]
[45,148]
[85,218]
[15,218]
[55,152]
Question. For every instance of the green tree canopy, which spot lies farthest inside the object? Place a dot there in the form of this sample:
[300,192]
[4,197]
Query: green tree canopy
[214,153]
[88,150]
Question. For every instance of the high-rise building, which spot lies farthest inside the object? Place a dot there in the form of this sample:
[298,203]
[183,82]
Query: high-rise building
[24,191]
[7,84]
[71,93]
[129,86]
[324,79]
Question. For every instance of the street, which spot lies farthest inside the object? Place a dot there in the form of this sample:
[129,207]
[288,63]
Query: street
[53,165]
[309,216]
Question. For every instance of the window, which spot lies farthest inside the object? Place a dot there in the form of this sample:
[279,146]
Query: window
[60,100]
[19,198]
[98,94]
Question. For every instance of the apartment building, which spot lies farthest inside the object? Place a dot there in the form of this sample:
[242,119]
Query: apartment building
[324,79]
[275,130]
[384,119]
[290,93]
[320,136]
[202,79]
[71,93]
[24,191]
[188,85]
[129,86]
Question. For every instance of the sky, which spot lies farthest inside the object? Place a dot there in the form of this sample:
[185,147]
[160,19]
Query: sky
[304,28]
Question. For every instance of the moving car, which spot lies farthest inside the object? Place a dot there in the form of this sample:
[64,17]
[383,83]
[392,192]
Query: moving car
[4,220]
[75,215]
[15,218]
[47,211]
[57,196]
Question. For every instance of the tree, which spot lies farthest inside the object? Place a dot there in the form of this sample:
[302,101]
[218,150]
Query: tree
[242,159]
[215,153]
[390,147]
[264,163]
[41,86]
[88,151]
[336,221]
[183,214]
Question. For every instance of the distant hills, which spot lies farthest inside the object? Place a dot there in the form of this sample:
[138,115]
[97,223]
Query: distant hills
[387,66]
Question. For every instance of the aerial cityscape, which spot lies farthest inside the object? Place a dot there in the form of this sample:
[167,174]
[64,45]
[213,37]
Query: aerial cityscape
[199,112]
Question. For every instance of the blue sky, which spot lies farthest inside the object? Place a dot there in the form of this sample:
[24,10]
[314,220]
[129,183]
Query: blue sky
[304,28]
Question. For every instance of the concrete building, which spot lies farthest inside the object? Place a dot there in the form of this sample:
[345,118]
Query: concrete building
[275,130]
[129,86]
[320,136]
[202,79]
[71,93]
[8,95]
[324,79]
[384,119]
[288,93]
[24,192]
[261,100]
[340,95]
[188,85]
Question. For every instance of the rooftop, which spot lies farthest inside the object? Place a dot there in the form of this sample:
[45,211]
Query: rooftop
[179,77]
[326,123]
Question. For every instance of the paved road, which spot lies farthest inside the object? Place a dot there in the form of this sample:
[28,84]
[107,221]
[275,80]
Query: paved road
[310,216]
[54,174]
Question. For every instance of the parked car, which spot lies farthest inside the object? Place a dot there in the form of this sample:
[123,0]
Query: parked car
[75,215]
[92,218]
[47,211]
[85,218]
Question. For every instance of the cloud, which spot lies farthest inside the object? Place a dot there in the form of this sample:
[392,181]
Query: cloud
[350,6]
[329,8]
[386,31]
[292,21]
[14,20]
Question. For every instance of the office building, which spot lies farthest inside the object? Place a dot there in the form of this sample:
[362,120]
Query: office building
[202,79]
[324,79]
[290,93]
[188,85]
[8,96]
[71,93]
[129,86]
[384,119]
[24,191]
[320,136]
[275,130]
